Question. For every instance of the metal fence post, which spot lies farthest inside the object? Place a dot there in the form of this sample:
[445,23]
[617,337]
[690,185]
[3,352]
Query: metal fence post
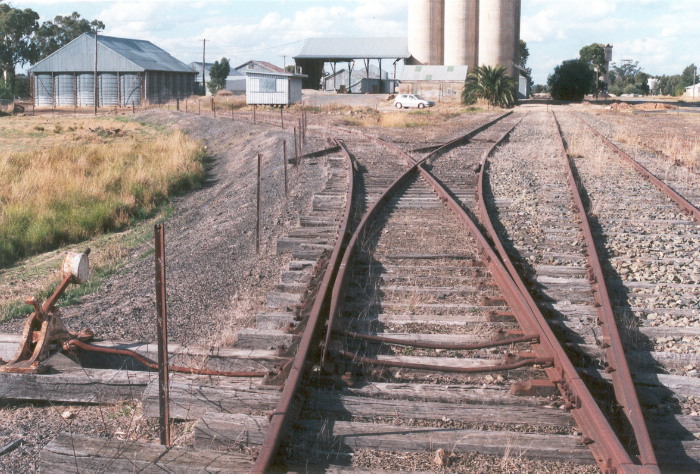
[257,227]
[162,334]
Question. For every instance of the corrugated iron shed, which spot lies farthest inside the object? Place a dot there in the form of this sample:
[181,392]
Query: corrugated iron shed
[435,73]
[113,54]
[346,49]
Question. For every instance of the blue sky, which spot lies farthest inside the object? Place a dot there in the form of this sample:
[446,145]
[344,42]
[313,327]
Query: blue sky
[663,35]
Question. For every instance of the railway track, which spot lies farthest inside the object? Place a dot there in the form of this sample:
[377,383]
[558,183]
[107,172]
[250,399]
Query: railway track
[420,303]
[542,232]
[441,352]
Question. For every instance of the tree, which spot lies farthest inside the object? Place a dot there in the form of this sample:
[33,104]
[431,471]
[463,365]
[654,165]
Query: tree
[594,56]
[523,56]
[493,84]
[52,35]
[629,78]
[689,76]
[217,75]
[16,48]
[571,80]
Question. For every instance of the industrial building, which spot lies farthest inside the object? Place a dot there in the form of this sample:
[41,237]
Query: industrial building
[465,32]
[127,71]
[438,83]
[318,51]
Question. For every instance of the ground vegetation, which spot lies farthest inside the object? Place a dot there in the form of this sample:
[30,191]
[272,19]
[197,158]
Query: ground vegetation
[492,84]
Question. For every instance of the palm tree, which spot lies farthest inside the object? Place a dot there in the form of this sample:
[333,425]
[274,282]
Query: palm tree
[493,84]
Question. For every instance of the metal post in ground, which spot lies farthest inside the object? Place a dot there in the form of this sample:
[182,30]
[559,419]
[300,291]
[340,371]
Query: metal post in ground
[213,107]
[257,226]
[177,104]
[282,115]
[162,335]
[255,109]
[284,157]
[296,149]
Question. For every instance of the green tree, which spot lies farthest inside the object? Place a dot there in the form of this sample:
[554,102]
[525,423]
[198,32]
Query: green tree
[524,55]
[52,35]
[571,80]
[628,78]
[689,76]
[217,75]
[16,48]
[594,56]
[493,84]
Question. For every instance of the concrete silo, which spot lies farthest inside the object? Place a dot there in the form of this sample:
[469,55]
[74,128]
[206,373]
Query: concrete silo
[461,32]
[499,33]
[426,19]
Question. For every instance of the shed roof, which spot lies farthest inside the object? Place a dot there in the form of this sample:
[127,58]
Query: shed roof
[113,54]
[346,49]
[435,73]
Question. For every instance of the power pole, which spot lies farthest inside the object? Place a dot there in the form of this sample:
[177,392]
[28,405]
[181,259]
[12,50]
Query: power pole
[95,75]
[204,48]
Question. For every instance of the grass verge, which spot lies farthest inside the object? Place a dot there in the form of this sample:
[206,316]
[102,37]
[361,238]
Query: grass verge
[92,180]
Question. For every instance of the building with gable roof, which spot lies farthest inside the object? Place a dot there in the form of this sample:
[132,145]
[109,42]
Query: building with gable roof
[113,72]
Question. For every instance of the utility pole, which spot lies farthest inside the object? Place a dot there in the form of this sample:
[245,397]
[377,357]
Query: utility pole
[95,74]
[204,48]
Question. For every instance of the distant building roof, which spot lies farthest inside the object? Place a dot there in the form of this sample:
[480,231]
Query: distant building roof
[259,66]
[113,54]
[435,73]
[346,49]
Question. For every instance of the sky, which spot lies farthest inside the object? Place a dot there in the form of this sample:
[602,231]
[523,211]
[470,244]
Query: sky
[662,35]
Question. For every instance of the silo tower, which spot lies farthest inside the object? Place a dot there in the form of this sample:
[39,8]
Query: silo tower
[499,33]
[461,32]
[426,20]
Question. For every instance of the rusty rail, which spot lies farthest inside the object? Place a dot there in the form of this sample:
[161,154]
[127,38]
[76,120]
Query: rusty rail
[606,447]
[75,343]
[437,345]
[648,175]
[291,400]
[614,351]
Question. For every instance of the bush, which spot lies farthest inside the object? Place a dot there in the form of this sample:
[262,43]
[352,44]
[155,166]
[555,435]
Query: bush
[493,84]
[571,80]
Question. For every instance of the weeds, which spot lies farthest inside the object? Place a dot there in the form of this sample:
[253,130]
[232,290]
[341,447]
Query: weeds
[72,190]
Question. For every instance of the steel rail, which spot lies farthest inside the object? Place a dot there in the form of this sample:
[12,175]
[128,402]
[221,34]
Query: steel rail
[290,402]
[614,350]
[525,362]
[154,365]
[648,175]
[606,447]
[341,278]
[438,345]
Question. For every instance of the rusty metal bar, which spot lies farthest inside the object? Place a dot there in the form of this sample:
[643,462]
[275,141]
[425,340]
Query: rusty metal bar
[255,110]
[154,365]
[607,449]
[290,402]
[257,222]
[296,149]
[534,338]
[284,159]
[528,362]
[162,336]
[282,116]
[665,188]
[621,375]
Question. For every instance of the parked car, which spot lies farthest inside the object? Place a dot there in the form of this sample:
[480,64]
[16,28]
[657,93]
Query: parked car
[410,100]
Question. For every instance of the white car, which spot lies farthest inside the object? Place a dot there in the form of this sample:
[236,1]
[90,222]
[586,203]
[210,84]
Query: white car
[410,100]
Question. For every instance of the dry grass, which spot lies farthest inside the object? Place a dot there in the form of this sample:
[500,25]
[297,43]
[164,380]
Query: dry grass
[65,180]
[678,149]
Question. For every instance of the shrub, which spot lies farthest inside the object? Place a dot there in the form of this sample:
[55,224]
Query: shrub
[571,80]
[492,84]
